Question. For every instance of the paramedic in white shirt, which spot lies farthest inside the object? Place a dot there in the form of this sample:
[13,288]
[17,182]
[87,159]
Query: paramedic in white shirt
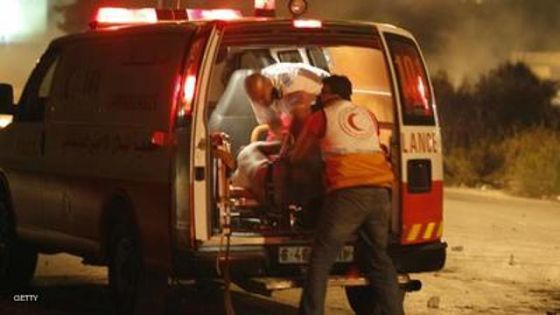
[281,96]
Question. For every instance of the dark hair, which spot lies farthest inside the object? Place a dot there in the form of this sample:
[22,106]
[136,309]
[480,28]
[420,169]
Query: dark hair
[340,85]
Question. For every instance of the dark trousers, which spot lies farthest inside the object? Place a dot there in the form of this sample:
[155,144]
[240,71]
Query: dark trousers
[362,210]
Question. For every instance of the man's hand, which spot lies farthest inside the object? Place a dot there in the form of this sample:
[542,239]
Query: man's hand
[299,104]
[275,126]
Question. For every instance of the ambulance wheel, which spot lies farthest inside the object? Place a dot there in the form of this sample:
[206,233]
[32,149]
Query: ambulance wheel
[362,300]
[125,267]
[17,259]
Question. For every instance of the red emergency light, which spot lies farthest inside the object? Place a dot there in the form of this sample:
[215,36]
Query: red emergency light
[265,4]
[108,15]
[214,14]
[265,8]
[308,24]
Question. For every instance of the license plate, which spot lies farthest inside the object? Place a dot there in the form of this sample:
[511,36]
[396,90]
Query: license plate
[301,254]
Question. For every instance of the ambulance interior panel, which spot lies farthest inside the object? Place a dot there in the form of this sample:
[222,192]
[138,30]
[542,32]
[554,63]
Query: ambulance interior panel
[229,111]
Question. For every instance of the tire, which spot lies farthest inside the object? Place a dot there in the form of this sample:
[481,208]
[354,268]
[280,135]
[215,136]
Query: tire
[362,300]
[18,259]
[125,267]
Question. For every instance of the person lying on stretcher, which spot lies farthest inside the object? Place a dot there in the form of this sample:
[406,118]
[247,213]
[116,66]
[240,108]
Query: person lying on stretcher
[281,97]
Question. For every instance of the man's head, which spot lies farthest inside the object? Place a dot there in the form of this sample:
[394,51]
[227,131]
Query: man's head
[260,89]
[336,87]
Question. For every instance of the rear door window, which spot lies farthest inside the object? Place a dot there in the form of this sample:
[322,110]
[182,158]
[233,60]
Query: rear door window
[414,86]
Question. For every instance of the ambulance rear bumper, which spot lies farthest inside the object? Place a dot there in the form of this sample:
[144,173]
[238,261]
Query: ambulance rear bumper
[419,257]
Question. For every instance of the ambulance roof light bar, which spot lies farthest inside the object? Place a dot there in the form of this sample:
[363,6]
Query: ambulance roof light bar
[111,16]
[214,14]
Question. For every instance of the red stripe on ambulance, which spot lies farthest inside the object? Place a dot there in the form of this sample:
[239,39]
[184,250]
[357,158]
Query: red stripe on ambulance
[422,214]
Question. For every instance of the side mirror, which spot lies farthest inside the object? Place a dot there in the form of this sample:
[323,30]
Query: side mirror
[6,99]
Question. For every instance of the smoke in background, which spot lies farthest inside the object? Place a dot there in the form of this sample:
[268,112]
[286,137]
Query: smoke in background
[34,24]
[461,37]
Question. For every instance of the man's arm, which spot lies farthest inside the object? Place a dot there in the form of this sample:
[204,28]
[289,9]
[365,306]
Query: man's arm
[267,115]
[275,125]
[298,104]
[308,140]
[305,144]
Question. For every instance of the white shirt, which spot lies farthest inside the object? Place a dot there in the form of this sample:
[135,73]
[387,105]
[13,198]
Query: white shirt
[287,78]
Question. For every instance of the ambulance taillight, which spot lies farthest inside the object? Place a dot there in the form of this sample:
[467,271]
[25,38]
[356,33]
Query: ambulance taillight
[188,82]
[189,88]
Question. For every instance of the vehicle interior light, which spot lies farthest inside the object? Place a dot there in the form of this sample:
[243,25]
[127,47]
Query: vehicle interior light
[308,24]
[5,120]
[109,15]
[214,14]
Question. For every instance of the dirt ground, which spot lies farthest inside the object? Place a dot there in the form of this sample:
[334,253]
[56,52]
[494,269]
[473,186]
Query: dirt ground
[503,258]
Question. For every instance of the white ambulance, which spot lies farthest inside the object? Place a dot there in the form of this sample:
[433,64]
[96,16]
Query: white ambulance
[120,145]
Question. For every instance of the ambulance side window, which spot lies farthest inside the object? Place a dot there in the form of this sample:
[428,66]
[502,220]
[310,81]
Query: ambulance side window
[35,97]
[318,58]
[290,56]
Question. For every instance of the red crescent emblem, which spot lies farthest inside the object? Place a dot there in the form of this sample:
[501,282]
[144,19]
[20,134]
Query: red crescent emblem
[352,123]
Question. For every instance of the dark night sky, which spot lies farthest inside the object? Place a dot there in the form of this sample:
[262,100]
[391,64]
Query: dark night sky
[462,37]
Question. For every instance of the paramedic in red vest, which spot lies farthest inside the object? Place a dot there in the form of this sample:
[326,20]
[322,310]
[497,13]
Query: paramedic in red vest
[358,180]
